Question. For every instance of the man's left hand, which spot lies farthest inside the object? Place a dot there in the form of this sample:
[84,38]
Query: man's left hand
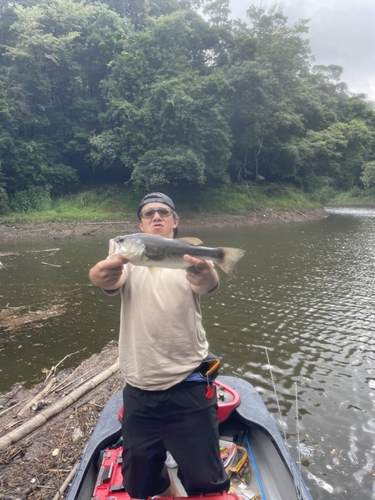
[202,275]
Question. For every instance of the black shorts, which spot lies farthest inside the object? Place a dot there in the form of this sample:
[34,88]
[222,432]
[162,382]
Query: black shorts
[184,422]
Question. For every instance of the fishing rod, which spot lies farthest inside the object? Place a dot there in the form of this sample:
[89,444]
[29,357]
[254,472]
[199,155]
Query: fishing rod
[298,439]
[291,463]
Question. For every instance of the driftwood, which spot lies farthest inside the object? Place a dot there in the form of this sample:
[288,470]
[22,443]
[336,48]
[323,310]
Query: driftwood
[62,385]
[45,415]
[102,223]
[11,396]
[53,369]
[66,482]
[66,383]
[298,212]
[277,215]
[36,398]
[11,408]
[46,250]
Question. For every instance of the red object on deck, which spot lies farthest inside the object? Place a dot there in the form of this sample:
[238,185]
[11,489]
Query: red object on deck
[109,483]
[227,399]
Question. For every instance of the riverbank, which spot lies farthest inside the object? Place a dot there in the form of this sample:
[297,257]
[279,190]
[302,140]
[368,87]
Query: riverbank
[189,222]
[40,448]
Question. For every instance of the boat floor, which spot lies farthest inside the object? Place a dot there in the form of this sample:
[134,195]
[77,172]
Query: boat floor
[274,477]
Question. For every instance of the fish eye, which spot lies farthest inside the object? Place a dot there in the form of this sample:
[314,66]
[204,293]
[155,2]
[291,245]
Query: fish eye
[121,240]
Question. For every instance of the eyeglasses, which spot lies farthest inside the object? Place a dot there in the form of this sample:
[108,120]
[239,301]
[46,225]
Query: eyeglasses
[163,212]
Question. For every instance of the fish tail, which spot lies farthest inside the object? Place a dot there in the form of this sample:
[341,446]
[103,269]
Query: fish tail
[229,259]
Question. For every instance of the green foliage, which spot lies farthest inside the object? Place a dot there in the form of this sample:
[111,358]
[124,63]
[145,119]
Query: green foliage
[337,152]
[58,53]
[4,201]
[368,175]
[162,166]
[33,198]
[114,203]
[171,93]
[169,110]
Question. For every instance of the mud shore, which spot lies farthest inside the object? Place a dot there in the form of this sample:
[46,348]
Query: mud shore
[188,222]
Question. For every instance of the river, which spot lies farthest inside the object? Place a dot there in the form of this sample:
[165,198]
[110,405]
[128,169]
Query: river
[299,315]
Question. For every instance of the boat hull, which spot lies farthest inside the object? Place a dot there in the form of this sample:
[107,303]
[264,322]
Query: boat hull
[274,473]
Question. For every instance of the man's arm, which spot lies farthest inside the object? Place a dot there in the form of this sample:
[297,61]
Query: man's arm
[109,274]
[202,275]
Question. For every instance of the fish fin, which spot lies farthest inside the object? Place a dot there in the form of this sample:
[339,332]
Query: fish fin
[192,240]
[229,260]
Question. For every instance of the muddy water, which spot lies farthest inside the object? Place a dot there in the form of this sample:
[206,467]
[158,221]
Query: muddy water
[305,292]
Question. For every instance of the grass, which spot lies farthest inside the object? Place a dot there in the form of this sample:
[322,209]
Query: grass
[355,195]
[115,203]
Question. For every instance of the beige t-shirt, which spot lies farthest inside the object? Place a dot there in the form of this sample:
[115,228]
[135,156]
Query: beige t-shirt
[162,339]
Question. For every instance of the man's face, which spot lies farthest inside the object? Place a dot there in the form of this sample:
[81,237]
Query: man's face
[158,224]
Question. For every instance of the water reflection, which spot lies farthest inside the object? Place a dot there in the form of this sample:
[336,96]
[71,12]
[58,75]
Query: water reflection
[304,291]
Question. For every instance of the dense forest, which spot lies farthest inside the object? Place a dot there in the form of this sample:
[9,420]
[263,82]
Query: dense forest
[170,92]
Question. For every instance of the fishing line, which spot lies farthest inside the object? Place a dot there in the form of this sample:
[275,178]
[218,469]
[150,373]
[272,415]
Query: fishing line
[297,486]
[274,390]
[298,439]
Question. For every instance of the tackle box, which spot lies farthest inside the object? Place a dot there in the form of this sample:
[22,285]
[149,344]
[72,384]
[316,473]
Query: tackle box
[109,482]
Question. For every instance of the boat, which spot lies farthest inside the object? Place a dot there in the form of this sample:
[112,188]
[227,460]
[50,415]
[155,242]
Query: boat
[258,460]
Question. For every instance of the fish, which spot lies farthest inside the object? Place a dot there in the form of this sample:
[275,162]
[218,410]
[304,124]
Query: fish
[150,250]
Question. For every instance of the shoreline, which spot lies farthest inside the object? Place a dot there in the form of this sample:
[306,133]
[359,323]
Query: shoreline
[188,222]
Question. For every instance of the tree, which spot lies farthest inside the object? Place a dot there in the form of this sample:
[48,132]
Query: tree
[61,52]
[166,120]
[268,84]
[337,152]
[368,175]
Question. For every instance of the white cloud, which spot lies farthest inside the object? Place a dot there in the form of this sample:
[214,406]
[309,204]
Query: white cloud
[341,32]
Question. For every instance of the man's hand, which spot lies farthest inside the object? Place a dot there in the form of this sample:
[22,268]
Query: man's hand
[109,274]
[202,275]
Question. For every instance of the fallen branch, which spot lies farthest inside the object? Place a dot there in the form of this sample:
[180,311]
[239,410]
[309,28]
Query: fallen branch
[277,215]
[11,396]
[46,250]
[65,484]
[11,407]
[10,425]
[61,385]
[36,398]
[65,384]
[45,415]
[53,369]
[101,223]
[298,212]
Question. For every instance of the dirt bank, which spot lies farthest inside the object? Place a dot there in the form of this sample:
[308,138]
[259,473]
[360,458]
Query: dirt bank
[56,230]
[36,466]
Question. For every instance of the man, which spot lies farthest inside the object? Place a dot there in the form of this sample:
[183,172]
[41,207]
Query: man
[169,399]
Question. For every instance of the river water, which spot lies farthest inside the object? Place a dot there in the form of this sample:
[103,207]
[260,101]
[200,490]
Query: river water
[298,316]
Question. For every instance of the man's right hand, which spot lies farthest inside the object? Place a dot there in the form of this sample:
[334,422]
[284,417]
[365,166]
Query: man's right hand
[109,274]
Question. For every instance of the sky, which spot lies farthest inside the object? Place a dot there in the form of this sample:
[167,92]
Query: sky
[341,32]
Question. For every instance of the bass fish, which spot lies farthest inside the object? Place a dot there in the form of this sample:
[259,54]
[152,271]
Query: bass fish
[156,251]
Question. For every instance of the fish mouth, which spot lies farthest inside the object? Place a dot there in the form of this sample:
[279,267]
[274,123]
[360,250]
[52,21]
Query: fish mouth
[112,247]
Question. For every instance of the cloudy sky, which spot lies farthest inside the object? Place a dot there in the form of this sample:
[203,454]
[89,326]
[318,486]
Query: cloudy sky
[341,32]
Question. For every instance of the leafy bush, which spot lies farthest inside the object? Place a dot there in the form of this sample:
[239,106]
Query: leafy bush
[33,198]
[163,166]
[368,175]
[4,201]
